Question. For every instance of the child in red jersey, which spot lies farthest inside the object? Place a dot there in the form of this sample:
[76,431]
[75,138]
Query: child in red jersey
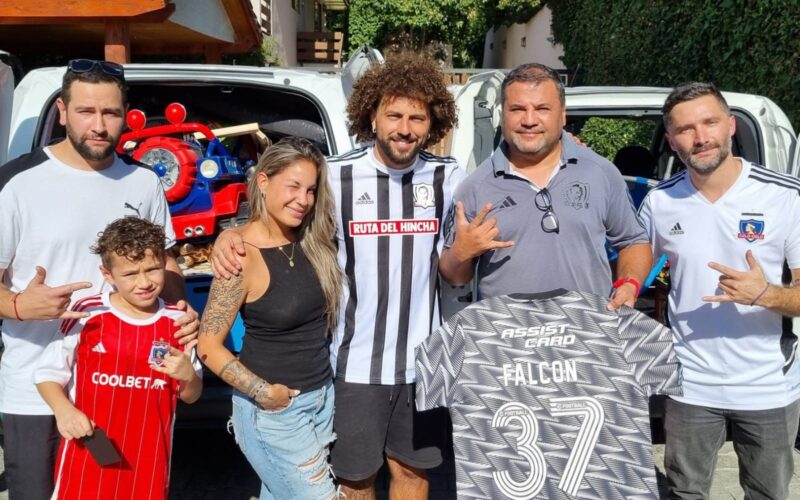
[123,371]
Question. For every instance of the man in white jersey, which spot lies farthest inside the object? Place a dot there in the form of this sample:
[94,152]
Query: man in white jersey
[53,203]
[391,200]
[727,227]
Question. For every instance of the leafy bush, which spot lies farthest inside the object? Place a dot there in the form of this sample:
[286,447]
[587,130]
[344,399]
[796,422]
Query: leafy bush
[425,24]
[741,45]
[606,136]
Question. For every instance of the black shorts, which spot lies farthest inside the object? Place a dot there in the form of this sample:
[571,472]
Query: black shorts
[31,446]
[371,420]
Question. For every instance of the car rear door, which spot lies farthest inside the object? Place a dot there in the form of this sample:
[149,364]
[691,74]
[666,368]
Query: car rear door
[478,103]
[6,101]
[794,157]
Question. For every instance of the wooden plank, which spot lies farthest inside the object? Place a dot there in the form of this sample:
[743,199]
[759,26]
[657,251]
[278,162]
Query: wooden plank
[244,22]
[443,147]
[246,128]
[117,42]
[315,34]
[334,36]
[316,53]
[79,8]
[317,46]
[213,54]
[158,16]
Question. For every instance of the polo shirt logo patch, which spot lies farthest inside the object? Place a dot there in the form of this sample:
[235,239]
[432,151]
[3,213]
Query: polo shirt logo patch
[751,230]
[577,195]
[423,196]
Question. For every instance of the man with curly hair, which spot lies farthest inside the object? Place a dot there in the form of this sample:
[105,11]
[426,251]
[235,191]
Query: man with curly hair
[392,198]
[536,215]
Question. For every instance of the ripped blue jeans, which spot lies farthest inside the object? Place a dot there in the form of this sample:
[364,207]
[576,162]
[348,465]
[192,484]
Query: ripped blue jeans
[288,448]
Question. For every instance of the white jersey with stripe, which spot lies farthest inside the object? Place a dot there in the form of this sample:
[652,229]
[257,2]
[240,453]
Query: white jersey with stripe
[389,237]
[549,395]
[734,356]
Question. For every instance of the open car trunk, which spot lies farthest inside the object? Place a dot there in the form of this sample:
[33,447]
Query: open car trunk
[277,112]
[267,105]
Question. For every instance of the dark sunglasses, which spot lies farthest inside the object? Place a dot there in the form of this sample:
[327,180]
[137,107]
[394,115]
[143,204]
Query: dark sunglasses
[85,65]
[545,204]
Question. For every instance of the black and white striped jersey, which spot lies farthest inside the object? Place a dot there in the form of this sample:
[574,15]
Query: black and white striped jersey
[548,394]
[389,236]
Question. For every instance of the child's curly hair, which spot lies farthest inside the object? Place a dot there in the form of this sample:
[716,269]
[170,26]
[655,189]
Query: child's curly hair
[403,75]
[129,237]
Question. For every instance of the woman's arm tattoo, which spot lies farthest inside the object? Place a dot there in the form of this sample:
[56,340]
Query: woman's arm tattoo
[224,300]
[237,375]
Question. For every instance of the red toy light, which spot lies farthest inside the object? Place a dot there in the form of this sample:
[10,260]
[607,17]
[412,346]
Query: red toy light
[175,113]
[136,119]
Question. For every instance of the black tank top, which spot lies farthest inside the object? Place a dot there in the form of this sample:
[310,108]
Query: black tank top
[285,339]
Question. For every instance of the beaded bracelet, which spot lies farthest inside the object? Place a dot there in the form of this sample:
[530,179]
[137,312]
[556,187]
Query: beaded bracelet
[257,388]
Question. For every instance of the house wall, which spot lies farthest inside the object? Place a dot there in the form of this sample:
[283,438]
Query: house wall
[284,30]
[262,8]
[503,47]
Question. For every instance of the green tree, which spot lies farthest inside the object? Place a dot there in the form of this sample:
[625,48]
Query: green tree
[421,25]
[429,24]
[508,12]
[746,46]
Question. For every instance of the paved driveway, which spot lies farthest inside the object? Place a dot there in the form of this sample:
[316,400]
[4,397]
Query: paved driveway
[207,465]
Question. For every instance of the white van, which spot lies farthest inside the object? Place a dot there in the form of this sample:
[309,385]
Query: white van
[312,105]
[764,134]
[281,102]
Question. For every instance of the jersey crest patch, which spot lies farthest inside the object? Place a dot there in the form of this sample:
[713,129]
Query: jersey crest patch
[751,230]
[424,196]
[577,195]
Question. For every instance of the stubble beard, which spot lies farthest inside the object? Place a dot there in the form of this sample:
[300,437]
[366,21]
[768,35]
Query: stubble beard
[86,152]
[395,157]
[543,144]
[708,165]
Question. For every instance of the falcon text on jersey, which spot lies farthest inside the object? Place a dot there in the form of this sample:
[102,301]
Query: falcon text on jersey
[540,373]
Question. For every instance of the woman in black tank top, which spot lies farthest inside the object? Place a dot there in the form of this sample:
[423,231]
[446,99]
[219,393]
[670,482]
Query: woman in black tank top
[288,294]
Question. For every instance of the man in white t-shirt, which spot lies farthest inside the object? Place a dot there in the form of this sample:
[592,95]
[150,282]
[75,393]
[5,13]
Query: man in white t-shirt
[53,203]
[727,227]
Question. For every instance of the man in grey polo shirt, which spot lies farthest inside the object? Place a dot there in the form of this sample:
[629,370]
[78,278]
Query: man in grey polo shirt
[537,213]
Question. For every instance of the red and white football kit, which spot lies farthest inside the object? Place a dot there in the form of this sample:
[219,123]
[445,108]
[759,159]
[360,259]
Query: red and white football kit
[104,360]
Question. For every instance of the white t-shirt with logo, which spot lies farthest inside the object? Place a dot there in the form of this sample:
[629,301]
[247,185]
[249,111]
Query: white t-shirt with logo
[734,356]
[51,215]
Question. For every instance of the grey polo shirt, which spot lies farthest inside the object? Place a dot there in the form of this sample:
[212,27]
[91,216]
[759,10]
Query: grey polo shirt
[592,203]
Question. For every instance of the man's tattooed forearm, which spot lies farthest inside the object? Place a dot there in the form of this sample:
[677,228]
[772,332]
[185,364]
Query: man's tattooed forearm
[224,300]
